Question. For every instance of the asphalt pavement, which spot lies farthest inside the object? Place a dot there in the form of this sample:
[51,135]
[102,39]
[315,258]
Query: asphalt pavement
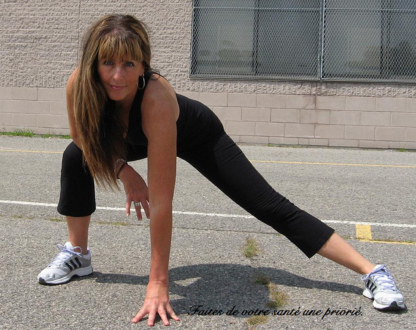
[368,196]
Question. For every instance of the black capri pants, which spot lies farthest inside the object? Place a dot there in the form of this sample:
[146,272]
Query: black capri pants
[222,162]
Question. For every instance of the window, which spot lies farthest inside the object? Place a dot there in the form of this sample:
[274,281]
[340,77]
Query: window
[361,40]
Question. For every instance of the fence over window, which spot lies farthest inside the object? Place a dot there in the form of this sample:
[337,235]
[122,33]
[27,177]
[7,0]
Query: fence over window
[348,40]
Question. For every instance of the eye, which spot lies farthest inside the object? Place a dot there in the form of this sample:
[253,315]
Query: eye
[108,62]
[129,64]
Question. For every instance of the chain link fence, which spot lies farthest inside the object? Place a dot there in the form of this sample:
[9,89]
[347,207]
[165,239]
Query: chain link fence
[346,40]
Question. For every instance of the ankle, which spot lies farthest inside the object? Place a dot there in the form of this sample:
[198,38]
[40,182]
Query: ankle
[367,268]
[79,248]
[78,233]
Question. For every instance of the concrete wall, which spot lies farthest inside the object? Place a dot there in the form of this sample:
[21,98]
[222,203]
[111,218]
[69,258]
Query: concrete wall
[39,48]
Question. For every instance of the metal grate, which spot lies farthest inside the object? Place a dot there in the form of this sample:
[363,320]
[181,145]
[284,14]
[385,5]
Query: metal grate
[361,40]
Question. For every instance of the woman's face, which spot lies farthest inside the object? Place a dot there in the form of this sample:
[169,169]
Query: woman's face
[119,78]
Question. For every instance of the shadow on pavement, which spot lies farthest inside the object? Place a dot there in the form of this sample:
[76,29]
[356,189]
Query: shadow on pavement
[222,286]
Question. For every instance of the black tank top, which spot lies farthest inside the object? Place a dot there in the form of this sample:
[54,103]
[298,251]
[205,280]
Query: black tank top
[196,123]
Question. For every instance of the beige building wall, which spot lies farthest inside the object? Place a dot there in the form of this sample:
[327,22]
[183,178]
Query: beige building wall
[39,48]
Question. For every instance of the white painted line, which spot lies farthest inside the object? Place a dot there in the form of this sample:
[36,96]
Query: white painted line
[28,203]
[31,151]
[55,205]
[221,215]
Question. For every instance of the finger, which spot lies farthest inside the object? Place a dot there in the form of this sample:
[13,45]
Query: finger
[172,313]
[128,206]
[163,316]
[138,211]
[146,209]
[139,316]
[151,320]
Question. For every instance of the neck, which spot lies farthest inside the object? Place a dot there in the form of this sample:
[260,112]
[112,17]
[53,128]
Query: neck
[124,106]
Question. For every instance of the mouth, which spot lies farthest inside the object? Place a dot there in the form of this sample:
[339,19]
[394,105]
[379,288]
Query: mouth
[116,88]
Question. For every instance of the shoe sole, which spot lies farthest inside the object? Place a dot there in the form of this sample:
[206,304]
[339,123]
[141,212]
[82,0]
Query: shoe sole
[77,272]
[394,306]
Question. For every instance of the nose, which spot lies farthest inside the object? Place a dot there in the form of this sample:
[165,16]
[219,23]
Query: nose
[117,73]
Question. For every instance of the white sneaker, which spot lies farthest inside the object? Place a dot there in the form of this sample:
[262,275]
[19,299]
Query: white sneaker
[380,286]
[66,264]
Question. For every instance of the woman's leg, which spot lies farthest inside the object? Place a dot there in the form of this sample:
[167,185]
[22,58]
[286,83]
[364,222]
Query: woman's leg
[225,165]
[78,232]
[77,199]
[77,203]
[338,250]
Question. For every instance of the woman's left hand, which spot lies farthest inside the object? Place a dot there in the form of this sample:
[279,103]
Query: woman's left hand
[156,302]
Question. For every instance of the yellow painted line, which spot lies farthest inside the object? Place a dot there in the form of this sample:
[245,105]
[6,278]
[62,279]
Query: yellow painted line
[253,161]
[387,242]
[363,232]
[333,164]
[31,151]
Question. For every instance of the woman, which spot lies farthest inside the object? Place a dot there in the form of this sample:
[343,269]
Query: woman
[120,110]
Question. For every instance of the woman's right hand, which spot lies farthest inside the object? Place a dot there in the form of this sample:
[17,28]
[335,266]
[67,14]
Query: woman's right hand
[136,191]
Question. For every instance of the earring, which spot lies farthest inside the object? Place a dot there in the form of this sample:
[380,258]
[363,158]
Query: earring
[144,83]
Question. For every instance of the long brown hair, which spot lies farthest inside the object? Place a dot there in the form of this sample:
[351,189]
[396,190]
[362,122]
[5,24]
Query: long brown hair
[97,120]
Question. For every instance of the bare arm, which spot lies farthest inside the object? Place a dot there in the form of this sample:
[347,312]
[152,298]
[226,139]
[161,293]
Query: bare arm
[159,125]
[159,114]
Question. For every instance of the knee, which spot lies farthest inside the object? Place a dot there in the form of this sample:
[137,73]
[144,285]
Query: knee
[73,163]
[72,156]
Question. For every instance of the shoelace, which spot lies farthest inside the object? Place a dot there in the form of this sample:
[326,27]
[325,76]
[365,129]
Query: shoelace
[63,255]
[382,277]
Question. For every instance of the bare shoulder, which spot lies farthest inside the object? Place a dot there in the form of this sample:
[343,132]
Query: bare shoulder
[70,105]
[160,97]
[71,82]
[159,87]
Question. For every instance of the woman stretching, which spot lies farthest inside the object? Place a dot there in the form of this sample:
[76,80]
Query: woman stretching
[120,111]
